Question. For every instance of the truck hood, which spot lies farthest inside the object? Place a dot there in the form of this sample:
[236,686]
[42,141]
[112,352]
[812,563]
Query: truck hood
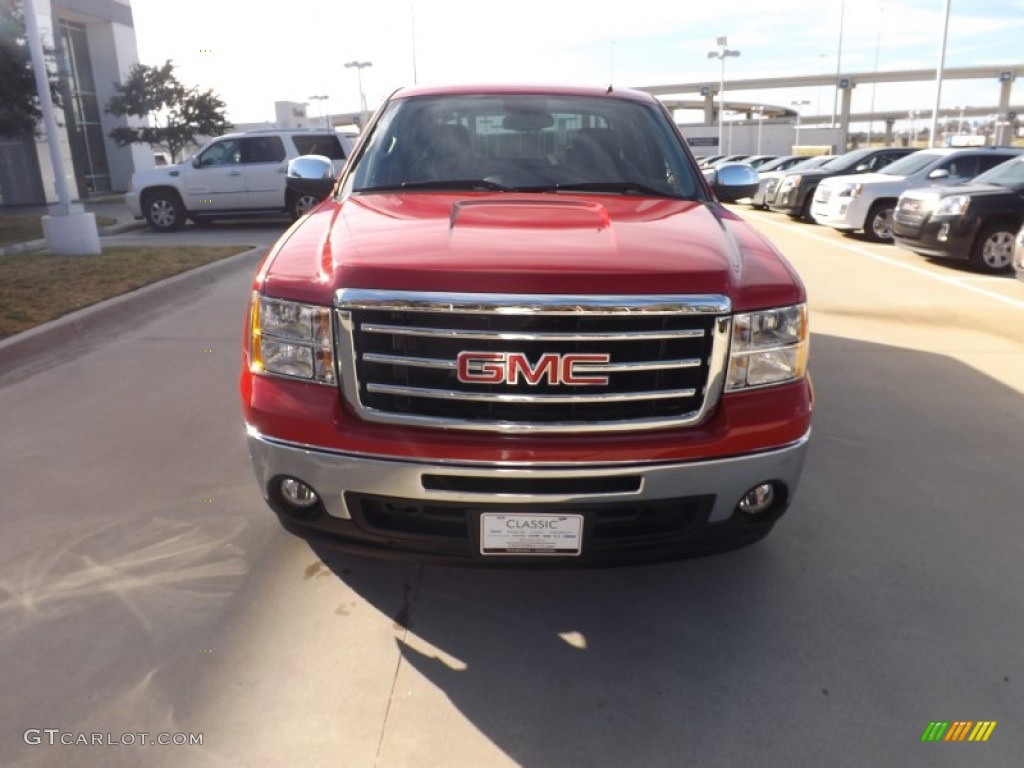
[528,243]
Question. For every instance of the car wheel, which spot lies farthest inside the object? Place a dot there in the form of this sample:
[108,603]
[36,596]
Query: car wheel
[878,227]
[301,204]
[993,250]
[164,211]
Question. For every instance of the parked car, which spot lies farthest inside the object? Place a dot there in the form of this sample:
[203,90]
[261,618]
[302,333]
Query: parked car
[796,189]
[759,161]
[865,202]
[781,163]
[1018,254]
[238,174]
[975,222]
[768,179]
[524,330]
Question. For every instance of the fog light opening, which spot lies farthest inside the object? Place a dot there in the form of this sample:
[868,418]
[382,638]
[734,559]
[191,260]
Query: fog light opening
[297,494]
[759,500]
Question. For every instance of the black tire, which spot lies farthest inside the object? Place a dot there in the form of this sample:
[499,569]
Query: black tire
[805,209]
[878,225]
[301,203]
[993,249]
[163,211]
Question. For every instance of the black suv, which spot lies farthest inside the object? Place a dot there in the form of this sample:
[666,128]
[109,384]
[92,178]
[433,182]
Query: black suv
[973,222]
[796,190]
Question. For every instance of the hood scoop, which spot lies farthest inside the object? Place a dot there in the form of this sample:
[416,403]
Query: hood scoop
[529,214]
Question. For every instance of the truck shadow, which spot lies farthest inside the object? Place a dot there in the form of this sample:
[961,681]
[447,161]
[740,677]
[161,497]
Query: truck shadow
[782,653]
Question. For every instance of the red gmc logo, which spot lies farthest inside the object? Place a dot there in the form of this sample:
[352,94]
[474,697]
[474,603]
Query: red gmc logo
[507,367]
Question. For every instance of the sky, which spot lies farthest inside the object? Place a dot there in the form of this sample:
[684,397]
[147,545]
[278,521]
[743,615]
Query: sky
[253,54]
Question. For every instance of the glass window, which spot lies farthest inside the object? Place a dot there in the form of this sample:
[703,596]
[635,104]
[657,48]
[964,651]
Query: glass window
[525,141]
[1007,174]
[328,146]
[227,152]
[263,149]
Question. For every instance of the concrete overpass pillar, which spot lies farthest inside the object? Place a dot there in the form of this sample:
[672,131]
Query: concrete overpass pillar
[844,118]
[709,108]
[1004,126]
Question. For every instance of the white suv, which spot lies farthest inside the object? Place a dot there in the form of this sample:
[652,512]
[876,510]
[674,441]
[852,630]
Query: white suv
[866,201]
[239,174]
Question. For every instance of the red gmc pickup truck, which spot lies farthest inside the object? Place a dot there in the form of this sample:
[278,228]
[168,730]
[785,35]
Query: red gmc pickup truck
[522,329]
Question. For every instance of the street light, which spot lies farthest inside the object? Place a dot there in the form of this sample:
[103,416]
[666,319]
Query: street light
[722,53]
[798,104]
[321,109]
[359,65]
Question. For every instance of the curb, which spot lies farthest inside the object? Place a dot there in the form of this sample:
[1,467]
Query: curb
[29,351]
[38,245]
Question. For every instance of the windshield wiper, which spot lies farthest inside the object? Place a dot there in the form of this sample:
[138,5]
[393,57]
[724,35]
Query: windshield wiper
[623,187]
[471,184]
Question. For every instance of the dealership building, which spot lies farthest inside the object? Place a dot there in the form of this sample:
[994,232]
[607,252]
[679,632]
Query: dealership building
[93,42]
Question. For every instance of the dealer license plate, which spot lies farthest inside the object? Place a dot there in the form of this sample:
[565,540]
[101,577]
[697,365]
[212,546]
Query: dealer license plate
[530,534]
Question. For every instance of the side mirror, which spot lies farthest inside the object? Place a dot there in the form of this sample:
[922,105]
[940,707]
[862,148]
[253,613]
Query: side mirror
[195,161]
[732,181]
[310,167]
[861,168]
[939,173]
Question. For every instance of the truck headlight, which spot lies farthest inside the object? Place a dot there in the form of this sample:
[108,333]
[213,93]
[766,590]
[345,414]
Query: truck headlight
[291,339]
[850,190]
[954,205]
[768,347]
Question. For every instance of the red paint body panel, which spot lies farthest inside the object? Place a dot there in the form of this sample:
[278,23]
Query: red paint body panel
[505,243]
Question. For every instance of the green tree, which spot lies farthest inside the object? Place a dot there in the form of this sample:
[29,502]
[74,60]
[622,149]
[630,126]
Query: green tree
[19,103]
[177,114]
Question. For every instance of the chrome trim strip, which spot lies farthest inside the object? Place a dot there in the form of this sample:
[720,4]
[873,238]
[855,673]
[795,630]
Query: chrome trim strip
[502,397]
[532,304]
[457,333]
[430,362]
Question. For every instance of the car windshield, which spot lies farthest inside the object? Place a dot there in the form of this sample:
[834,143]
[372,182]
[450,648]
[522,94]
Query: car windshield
[848,161]
[524,142]
[911,164]
[1008,174]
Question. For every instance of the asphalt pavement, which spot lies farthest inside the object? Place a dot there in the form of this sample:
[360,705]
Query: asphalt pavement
[145,588]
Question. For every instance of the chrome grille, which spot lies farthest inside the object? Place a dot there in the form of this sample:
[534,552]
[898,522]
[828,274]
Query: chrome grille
[910,211]
[660,359]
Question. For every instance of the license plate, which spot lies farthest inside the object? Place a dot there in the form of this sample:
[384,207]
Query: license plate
[530,534]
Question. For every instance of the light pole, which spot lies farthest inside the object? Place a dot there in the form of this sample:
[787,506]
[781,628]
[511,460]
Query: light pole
[321,108]
[839,61]
[359,65]
[798,104]
[938,78]
[721,53]
[878,48]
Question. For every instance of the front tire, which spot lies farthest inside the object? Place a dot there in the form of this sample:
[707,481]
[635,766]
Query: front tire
[878,227]
[164,211]
[993,250]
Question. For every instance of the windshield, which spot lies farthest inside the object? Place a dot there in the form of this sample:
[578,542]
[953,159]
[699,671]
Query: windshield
[848,161]
[524,142]
[1008,174]
[911,164]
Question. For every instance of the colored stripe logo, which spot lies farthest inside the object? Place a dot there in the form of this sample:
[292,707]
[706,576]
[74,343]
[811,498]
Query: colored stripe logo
[958,730]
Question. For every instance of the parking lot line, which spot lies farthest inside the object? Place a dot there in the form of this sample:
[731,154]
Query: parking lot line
[956,282]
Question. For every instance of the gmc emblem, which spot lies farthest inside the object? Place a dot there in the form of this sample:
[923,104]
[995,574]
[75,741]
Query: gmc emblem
[507,367]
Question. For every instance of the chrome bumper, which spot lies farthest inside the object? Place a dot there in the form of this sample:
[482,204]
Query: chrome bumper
[332,474]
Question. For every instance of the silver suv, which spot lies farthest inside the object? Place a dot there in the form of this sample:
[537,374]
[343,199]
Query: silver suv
[238,174]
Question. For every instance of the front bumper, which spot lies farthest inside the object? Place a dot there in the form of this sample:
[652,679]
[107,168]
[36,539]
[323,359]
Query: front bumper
[843,213]
[430,511]
[943,238]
